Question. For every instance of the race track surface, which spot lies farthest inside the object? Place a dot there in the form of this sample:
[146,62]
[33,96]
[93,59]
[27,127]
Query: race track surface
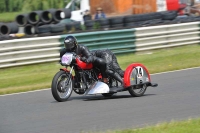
[176,98]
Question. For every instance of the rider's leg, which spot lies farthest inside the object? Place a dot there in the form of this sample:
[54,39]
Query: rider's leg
[101,65]
[114,75]
[117,67]
[113,63]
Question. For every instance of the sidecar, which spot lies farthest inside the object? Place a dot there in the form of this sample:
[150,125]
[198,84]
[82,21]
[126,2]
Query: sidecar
[136,80]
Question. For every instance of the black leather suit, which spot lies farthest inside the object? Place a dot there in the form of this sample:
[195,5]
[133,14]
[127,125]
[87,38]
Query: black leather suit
[105,60]
[112,67]
[87,56]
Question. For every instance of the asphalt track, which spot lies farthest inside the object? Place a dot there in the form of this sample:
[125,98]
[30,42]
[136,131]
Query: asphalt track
[176,98]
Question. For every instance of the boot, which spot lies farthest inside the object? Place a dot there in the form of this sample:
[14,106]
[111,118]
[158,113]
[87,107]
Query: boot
[117,77]
[105,80]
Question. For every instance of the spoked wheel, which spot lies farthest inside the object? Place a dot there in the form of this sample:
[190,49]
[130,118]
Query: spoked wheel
[137,91]
[62,86]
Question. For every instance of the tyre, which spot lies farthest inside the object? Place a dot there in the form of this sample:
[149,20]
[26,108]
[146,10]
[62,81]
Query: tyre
[29,29]
[128,19]
[68,26]
[169,22]
[89,28]
[22,19]
[67,13]
[117,25]
[56,14]
[105,26]
[138,17]
[77,25]
[116,20]
[37,25]
[13,27]
[103,22]
[60,91]
[56,28]
[136,79]
[151,16]
[34,17]
[4,37]
[89,23]
[44,29]
[132,24]
[44,34]
[151,22]
[47,16]
[4,29]
[169,15]
[137,91]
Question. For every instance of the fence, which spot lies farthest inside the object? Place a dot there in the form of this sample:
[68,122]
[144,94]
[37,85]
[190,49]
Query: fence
[46,49]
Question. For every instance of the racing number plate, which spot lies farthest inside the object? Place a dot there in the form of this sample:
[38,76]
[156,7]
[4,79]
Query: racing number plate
[67,59]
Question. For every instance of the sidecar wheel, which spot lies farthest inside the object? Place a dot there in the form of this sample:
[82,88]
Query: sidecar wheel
[60,91]
[107,94]
[137,91]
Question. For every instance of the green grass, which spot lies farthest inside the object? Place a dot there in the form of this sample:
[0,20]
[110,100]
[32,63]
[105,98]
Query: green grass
[39,76]
[188,126]
[8,16]
[166,59]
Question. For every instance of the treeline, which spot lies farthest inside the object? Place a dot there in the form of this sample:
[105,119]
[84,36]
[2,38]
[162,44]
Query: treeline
[30,5]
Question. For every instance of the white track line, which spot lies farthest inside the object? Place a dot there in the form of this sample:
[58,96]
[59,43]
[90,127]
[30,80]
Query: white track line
[49,88]
[24,92]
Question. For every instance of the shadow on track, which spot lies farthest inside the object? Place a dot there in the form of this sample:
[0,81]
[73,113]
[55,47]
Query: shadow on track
[99,97]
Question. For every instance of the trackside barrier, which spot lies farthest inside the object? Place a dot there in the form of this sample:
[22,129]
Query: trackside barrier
[46,49]
[149,38]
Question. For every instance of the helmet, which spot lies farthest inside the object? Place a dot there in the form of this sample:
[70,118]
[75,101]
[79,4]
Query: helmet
[70,43]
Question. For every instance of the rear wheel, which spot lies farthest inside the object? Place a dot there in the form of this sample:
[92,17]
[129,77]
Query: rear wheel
[137,91]
[61,90]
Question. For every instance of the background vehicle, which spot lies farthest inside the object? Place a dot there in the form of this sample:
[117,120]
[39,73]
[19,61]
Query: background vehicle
[78,7]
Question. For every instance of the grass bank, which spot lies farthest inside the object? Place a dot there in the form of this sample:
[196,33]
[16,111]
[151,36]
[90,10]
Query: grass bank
[33,77]
[8,16]
[188,126]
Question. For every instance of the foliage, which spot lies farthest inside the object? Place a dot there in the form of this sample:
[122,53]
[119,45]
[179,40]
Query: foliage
[30,5]
[9,16]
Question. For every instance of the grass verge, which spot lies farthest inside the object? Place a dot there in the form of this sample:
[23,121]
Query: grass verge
[39,76]
[188,126]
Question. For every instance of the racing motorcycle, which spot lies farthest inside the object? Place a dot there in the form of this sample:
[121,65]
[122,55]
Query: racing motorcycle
[84,79]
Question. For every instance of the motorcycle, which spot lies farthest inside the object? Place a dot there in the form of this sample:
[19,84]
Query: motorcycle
[84,79]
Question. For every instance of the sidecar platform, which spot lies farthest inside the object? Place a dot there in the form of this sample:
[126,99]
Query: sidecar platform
[116,89]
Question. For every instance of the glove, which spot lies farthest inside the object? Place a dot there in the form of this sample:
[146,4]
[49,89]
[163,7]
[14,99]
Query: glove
[83,59]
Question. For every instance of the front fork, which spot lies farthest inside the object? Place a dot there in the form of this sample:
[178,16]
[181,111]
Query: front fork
[70,75]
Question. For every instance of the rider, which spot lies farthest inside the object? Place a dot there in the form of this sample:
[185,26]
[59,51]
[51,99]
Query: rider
[105,60]
[71,45]
[112,67]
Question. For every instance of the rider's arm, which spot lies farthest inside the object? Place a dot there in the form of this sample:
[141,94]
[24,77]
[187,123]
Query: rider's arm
[62,52]
[86,55]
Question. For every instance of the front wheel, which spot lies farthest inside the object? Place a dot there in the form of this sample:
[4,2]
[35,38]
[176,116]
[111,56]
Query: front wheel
[137,91]
[61,86]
